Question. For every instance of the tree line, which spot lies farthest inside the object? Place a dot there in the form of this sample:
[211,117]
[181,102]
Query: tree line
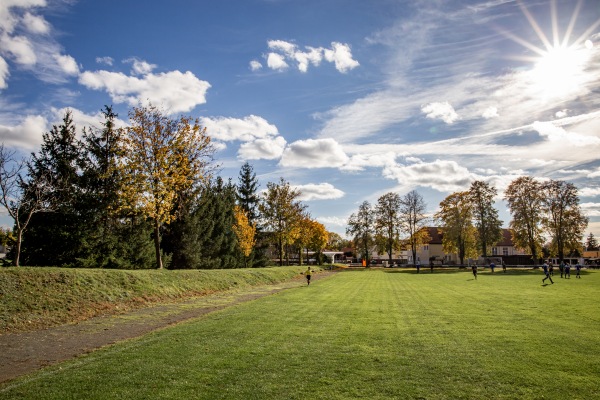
[546,221]
[147,195]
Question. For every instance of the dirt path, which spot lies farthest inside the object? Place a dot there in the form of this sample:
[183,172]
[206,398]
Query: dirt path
[22,353]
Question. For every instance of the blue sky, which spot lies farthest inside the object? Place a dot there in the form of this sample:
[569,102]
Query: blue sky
[345,99]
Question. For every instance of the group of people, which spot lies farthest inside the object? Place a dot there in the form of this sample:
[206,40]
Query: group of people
[565,269]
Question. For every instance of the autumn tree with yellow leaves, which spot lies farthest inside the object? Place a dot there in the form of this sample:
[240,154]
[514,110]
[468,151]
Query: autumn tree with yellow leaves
[162,158]
[245,233]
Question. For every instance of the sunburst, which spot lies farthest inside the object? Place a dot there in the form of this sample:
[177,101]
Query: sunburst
[559,65]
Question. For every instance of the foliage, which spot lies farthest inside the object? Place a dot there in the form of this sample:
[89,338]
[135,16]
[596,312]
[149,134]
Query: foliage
[162,157]
[361,227]
[281,212]
[563,218]
[489,226]
[591,243]
[55,236]
[386,223]
[456,216]
[245,233]
[524,196]
[413,221]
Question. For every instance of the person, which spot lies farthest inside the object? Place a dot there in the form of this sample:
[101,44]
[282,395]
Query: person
[551,269]
[561,267]
[578,269]
[503,266]
[492,266]
[418,265]
[308,275]
[567,270]
[431,266]
[545,267]
[474,269]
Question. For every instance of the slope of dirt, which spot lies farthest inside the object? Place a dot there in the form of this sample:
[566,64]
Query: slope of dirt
[21,353]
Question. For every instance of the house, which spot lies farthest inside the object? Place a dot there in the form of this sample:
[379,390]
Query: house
[433,250]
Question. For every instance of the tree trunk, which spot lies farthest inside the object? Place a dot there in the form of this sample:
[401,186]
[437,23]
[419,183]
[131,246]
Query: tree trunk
[16,262]
[157,244]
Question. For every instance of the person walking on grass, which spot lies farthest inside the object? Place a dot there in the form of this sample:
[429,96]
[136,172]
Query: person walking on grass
[561,267]
[503,266]
[474,269]
[545,267]
[578,269]
[492,266]
[308,274]
[567,270]
[551,269]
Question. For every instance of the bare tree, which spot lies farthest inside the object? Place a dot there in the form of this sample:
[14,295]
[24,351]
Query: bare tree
[21,198]
[413,221]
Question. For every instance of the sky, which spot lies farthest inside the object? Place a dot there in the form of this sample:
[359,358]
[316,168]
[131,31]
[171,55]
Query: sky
[346,100]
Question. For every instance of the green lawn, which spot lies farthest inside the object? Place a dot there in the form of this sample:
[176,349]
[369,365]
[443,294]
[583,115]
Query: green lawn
[372,334]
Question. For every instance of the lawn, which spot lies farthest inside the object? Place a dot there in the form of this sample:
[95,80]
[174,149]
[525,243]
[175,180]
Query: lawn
[373,334]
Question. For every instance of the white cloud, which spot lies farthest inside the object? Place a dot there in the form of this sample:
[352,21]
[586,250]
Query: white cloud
[443,111]
[246,129]
[321,191]
[255,65]
[562,114]
[35,24]
[595,174]
[589,192]
[336,221]
[174,90]
[26,135]
[67,64]
[4,73]
[140,67]
[20,48]
[441,175]
[105,60]
[276,61]
[490,112]
[282,52]
[267,149]
[558,134]
[341,55]
[590,209]
[314,153]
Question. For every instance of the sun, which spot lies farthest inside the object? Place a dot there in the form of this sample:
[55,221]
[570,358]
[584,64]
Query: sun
[560,70]
[558,67]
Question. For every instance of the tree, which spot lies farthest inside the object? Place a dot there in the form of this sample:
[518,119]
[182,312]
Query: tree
[162,158]
[563,218]
[318,240]
[524,196]
[245,233]
[361,226]
[20,198]
[489,226]
[248,198]
[413,220]
[591,243]
[386,223]
[281,211]
[100,184]
[54,236]
[456,216]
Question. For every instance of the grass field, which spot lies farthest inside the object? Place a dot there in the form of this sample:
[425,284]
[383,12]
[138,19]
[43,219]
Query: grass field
[373,334]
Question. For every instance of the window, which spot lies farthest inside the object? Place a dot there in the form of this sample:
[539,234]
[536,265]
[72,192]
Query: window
[505,251]
[494,251]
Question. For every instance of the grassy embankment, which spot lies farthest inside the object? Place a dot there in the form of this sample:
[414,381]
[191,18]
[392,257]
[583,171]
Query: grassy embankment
[380,334]
[33,298]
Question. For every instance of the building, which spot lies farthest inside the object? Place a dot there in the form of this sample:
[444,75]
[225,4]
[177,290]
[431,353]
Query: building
[433,250]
